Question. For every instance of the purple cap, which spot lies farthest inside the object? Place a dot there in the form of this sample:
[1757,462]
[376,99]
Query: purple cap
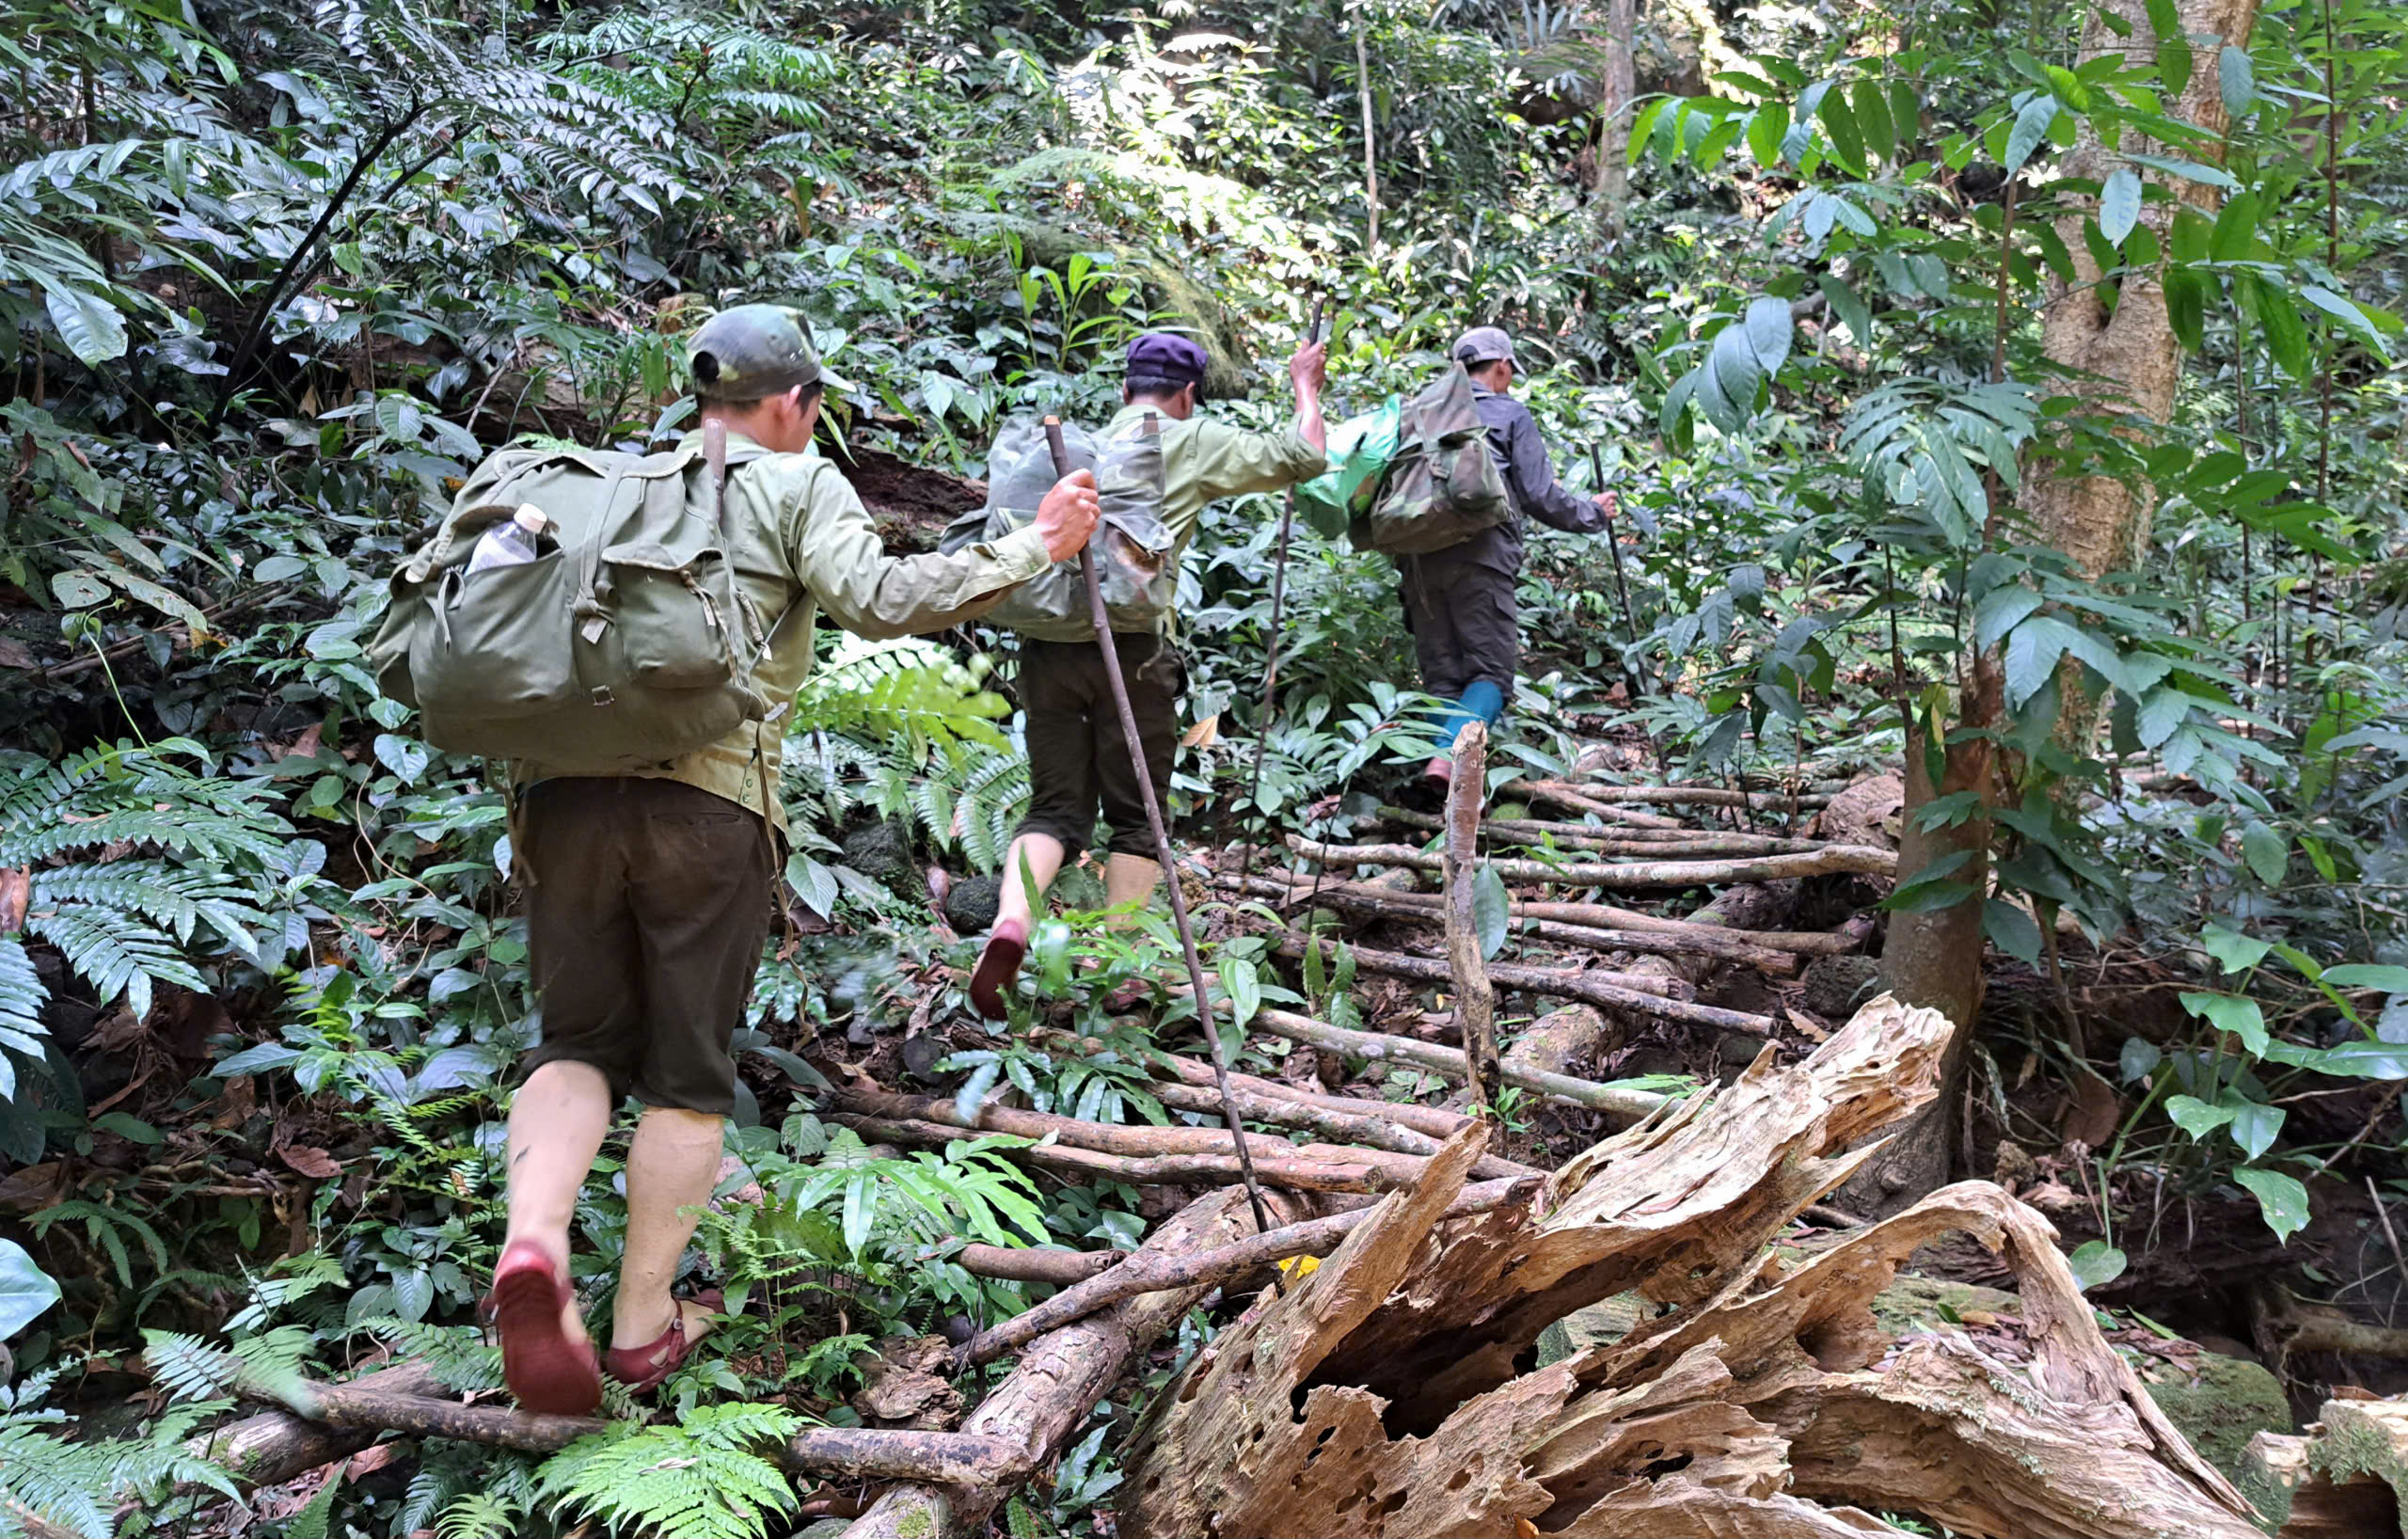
[1164,360]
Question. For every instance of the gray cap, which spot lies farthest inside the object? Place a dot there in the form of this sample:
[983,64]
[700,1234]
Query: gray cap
[754,351]
[1484,344]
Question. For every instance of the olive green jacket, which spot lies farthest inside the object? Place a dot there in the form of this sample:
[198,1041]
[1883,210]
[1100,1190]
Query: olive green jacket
[1204,460]
[802,545]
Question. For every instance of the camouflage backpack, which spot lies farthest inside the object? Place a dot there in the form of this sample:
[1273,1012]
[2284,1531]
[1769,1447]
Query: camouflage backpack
[1132,548]
[1443,485]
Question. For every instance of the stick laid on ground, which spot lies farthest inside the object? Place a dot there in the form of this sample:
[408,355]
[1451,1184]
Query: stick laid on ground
[1163,855]
[1475,1000]
[1829,861]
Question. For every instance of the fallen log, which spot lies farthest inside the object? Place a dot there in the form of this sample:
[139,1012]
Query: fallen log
[1362,1174]
[1060,1376]
[848,1452]
[1614,1099]
[1036,1263]
[1564,796]
[1774,952]
[1365,1127]
[1313,1237]
[1832,860]
[273,1447]
[1379,1396]
[1679,796]
[1615,991]
[1643,842]
[1132,1141]
[2346,1478]
[1436,1123]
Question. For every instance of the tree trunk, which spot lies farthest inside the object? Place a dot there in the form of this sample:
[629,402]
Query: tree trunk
[1934,957]
[1613,118]
[2124,360]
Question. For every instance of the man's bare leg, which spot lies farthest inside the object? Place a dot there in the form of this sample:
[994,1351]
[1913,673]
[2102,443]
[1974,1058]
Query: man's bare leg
[557,1122]
[1029,868]
[672,1168]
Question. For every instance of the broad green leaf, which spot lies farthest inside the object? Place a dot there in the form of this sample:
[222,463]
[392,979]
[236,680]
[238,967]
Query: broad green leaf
[2254,1123]
[2186,306]
[1767,127]
[1245,989]
[2236,81]
[2391,980]
[2191,169]
[2286,333]
[1905,111]
[1840,126]
[2095,1264]
[2160,712]
[1491,908]
[2230,1012]
[2234,952]
[2173,46]
[2236,228]
[2033,650]
[1873,120]
[2012,929]
[1768,332]
[2001,610]
[2119,204]
[25,1289]
[77,590]
[2031,127]
[88,325]
[2269,853]
[2195,1117]
[2139,1059]
[405,756]
[2282,1200]
[1850,306]
[2343,310]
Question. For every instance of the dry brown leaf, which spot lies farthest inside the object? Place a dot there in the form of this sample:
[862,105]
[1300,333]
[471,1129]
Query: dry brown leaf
[16,896]
[311,1161]
[1203,733]
[15,653]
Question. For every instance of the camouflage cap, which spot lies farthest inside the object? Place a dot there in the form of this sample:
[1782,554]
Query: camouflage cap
[753,350]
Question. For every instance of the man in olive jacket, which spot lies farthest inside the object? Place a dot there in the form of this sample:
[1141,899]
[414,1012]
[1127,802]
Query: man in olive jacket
[651,891]
[1078,754]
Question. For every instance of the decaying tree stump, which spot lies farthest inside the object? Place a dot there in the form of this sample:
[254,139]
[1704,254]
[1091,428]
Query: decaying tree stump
[1379,1396]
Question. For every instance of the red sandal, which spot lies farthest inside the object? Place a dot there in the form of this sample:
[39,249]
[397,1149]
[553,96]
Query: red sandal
[998,964]
[545,1370]
[644,1368]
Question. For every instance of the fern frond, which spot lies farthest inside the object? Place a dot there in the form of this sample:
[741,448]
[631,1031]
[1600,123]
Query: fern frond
[706,1478]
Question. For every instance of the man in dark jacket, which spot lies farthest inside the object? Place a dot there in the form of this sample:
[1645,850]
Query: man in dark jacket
[1459,602]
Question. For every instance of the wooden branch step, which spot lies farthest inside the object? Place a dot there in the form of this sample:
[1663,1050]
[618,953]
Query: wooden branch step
[1829,861]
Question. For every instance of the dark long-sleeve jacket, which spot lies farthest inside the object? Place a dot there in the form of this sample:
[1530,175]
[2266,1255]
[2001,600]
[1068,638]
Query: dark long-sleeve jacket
[1520,450]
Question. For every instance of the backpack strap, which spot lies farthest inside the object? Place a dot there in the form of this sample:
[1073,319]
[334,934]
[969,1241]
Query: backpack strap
[715,458]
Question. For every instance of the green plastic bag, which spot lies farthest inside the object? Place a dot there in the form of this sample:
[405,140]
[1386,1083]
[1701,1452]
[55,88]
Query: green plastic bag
[1360,450]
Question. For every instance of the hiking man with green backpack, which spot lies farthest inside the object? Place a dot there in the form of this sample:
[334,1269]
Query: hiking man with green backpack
[633,654]
[1157,463]
[1459,597]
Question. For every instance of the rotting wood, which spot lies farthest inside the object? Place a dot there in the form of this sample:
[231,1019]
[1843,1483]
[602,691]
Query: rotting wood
[1832,860]
[1365,1127]
[1643,842]
[1465,969]
[1313,1237]
[852,1452]
[1614,1099]
[1361,1174]
[1060,1376]
[1678,796]
[2346,1478]
[1131,1140]
[1379,1398]
[1594,925]
[1612,990]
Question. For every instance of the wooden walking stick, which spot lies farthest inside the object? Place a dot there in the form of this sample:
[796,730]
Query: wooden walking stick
[1631,664]
[1163,852]
[1271,662]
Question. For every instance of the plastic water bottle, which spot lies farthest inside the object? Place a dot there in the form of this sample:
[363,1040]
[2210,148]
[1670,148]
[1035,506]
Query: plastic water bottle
[510,543]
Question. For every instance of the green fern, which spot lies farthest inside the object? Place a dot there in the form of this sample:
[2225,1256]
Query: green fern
[706,1478]
[458,1356]
[479,1514]
[904,686]
[79,1485]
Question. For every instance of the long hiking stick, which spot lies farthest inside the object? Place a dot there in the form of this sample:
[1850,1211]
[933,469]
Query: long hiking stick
[1633,665]
[1163,853]
[1271,661]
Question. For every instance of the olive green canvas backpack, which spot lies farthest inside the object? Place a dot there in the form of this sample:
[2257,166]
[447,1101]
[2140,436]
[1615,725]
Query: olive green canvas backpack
[1132,548]
[625,643]
[1443,485]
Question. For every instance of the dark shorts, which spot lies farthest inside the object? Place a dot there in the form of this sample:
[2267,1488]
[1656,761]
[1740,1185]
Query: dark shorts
[1078,754]
[644,926]
[1465,624]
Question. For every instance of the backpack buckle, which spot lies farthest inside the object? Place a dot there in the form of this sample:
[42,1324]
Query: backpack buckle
[602,695]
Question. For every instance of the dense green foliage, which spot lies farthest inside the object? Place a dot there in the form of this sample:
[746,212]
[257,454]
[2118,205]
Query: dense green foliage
[275,277]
